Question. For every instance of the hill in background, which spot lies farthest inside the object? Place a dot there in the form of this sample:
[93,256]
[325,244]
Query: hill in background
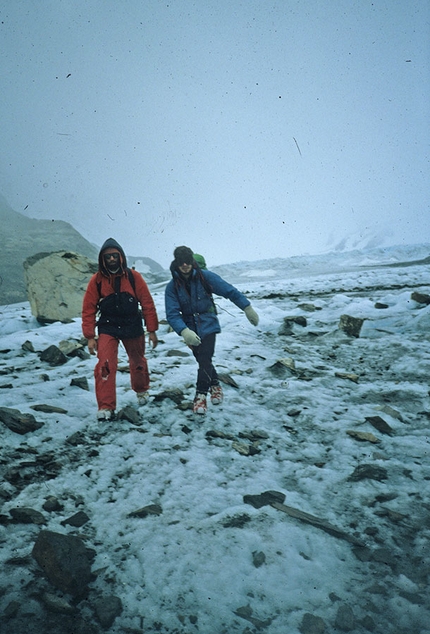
[23,237]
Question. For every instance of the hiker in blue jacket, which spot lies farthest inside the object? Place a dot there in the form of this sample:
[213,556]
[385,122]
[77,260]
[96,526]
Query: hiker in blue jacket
[191,312]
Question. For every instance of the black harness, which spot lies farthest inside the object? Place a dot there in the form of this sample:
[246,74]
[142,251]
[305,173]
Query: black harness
[120,315]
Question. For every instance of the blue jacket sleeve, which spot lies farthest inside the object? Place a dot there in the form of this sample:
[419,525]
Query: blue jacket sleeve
[223,288]
[173,309]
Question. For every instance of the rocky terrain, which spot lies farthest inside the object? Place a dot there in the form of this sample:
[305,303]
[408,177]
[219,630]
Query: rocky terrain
[299,505]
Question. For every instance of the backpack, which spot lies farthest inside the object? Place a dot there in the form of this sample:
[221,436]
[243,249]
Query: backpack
[119,313]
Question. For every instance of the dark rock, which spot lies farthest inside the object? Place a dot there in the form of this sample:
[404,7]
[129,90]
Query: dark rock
[215,433]
[264,499]
[53,356]
[369,472]
[420,298]
[379,423]
[81,382]
[52,504]
[107,609]
[384,556]
[381,306]
[309,308]
[26,515]
[351,325]
[174,394]
[78,438]
[368,623]
[65,561]
[77,520]
[177,353]
[129,414]
[56,604]
[27,346]
[312,624]
[48,409]
[245,612]
[258,559]
[238,521]
[151,509]
[345,619]
[227,379]
[18,422]
[280,369]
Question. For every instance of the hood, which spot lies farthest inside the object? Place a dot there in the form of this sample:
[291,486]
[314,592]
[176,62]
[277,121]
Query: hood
[110,243]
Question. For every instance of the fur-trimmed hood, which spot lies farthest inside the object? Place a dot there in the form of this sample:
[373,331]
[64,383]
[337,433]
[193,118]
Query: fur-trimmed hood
[110,243]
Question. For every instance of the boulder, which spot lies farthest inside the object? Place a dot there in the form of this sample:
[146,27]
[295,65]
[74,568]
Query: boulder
[65,561]
[56,283]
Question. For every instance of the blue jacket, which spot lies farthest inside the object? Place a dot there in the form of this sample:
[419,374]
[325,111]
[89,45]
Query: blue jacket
[195,309]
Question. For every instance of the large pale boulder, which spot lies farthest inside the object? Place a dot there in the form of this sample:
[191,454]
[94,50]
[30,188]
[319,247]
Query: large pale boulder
[56,284]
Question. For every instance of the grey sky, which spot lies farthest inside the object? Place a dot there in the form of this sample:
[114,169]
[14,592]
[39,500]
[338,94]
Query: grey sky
[244,129]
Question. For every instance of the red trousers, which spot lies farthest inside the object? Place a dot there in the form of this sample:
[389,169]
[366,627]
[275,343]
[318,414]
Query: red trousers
[105,370]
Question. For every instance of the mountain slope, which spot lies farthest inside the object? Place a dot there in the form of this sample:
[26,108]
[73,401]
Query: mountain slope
[23,237]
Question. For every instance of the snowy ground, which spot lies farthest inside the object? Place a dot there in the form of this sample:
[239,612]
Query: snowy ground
[195,568]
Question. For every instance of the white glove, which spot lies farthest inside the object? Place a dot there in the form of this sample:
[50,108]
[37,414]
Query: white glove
[190,337]
[251,315]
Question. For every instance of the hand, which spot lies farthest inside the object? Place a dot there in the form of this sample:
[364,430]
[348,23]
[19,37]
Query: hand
[92,345]
[153,339]
[190,337]
[251,315]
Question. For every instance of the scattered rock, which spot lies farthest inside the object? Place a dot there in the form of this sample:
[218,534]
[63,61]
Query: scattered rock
[345,619]
[26,515]
[107,609]
[227,379]
[283,367]
[246,611]
[174,394]
[81,382]
[379,423]
[18,422]
[151,509]
[52,504]
[264,499]
[129,414]
[381,306]
[347,375]
[57,604]
[77,520]
[53,356]
[312,624]
[369,472]
[351,325]
[238,521]
[27,346]
[65,561]
[362,435]
[177,353]
[245,449]
[48,409]
[420,298]
[258,559]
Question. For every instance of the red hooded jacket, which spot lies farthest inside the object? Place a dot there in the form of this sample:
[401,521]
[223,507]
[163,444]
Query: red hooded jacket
[101,285]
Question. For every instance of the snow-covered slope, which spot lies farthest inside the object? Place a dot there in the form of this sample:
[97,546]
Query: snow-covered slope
[211,562]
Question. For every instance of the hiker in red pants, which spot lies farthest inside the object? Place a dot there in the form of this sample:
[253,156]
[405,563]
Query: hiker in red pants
[121,299]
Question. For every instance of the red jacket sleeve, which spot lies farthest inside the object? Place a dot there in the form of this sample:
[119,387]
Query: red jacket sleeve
[89,308]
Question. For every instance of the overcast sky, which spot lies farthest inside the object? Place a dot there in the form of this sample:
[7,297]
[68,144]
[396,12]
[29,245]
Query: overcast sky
[244,129]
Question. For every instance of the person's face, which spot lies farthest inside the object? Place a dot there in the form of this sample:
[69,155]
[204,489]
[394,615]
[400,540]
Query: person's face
[185,268]
[111,259]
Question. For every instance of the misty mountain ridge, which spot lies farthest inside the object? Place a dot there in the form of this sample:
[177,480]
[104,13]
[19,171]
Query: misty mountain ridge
[23,237]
